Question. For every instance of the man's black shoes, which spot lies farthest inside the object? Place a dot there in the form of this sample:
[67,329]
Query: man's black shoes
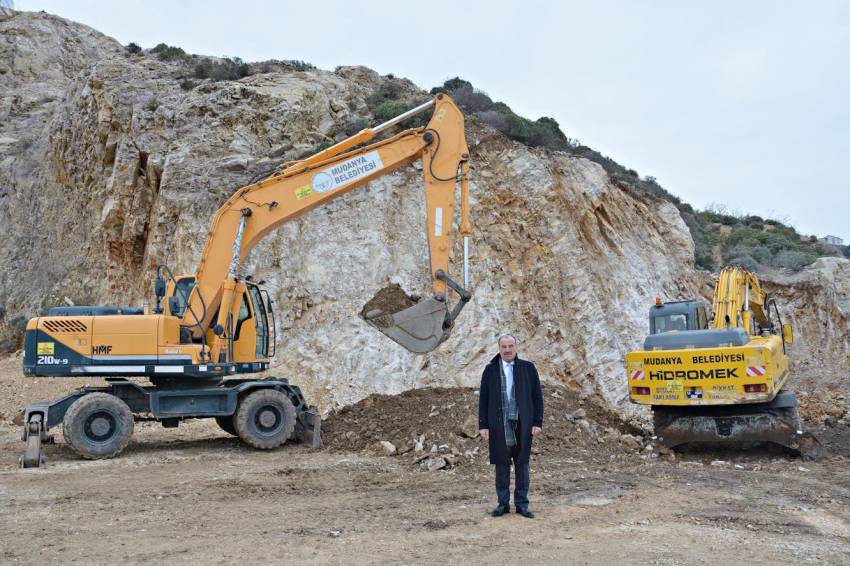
[525,512]
[500,510]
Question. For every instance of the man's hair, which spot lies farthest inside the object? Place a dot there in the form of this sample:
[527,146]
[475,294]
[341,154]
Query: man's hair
[503,336]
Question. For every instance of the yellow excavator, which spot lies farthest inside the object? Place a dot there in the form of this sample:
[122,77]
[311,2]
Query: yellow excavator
[218,322]
[720,380]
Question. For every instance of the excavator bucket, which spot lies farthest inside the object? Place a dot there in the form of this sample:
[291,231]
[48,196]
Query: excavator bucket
[419,328]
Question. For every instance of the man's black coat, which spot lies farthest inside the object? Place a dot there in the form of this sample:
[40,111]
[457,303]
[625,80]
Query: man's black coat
[529,399]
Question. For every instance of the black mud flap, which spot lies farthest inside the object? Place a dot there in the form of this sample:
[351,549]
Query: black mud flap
[308,429]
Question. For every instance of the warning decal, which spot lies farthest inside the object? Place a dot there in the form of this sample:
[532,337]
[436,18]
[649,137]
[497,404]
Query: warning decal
[303,192]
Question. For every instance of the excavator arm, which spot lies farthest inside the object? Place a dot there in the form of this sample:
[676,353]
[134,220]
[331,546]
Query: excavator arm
[255,210]
[738,297]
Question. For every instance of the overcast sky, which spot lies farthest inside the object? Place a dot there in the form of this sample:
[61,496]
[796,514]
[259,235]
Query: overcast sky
[745,104]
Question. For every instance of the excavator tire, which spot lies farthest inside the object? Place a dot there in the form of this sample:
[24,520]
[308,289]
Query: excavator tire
[265,419]
[226,424]
[98,426]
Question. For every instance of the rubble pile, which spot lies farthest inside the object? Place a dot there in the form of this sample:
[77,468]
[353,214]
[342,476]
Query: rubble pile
[437,428]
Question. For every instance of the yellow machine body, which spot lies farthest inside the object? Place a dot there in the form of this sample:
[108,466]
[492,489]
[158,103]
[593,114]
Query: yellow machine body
[753,373]
[721,378]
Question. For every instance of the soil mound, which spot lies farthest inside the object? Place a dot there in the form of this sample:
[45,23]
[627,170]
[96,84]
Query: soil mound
[442,423]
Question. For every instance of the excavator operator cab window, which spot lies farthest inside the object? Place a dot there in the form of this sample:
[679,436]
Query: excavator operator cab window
[182,290]
[244,314]
[670,323]
[702,319]
[260,321]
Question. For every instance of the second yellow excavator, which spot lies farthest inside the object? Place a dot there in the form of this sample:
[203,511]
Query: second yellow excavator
[217,322]
[720,380]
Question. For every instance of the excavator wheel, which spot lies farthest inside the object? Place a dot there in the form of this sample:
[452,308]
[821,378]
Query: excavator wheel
[265,419]
[98,426]
[226,424]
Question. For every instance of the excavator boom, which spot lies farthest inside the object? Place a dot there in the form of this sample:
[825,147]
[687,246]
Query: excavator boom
[257,209]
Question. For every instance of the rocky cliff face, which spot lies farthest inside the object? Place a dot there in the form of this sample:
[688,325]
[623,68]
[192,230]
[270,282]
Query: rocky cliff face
[108,168]
[816,302]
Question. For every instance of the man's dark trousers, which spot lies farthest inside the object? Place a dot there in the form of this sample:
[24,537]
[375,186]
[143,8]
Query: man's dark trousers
[503,481]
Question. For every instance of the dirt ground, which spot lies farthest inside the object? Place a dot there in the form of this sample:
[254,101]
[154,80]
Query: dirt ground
[602,491]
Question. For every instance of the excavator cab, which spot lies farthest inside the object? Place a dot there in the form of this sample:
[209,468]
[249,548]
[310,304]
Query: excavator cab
[677,316]
[253,342]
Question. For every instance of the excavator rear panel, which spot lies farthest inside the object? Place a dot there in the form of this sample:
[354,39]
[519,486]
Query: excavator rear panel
[753,372]
[722,394]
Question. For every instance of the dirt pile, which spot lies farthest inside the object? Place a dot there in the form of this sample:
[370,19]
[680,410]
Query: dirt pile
[438,427]
[827,408]
[390,299]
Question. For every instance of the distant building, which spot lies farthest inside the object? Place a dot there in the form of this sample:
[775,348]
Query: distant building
[832,240]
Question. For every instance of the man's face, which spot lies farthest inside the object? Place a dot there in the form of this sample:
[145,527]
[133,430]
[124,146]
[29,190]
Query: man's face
[507,348]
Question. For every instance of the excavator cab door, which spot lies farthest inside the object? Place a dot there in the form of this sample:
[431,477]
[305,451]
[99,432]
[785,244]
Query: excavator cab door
[261,321]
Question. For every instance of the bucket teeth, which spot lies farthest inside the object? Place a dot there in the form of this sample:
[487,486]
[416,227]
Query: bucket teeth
[419,328]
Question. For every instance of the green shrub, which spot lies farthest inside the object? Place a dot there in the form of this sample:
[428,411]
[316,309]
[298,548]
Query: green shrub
[747,243]
[133,48]
[275,65]
[224,70]
[794,259]
[152,104]
[355,125]
[471,100]
[390,109]
[168,53]
[298,65]
[386,92]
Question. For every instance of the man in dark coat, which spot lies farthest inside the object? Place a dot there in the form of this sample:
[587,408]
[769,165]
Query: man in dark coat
[510,414]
